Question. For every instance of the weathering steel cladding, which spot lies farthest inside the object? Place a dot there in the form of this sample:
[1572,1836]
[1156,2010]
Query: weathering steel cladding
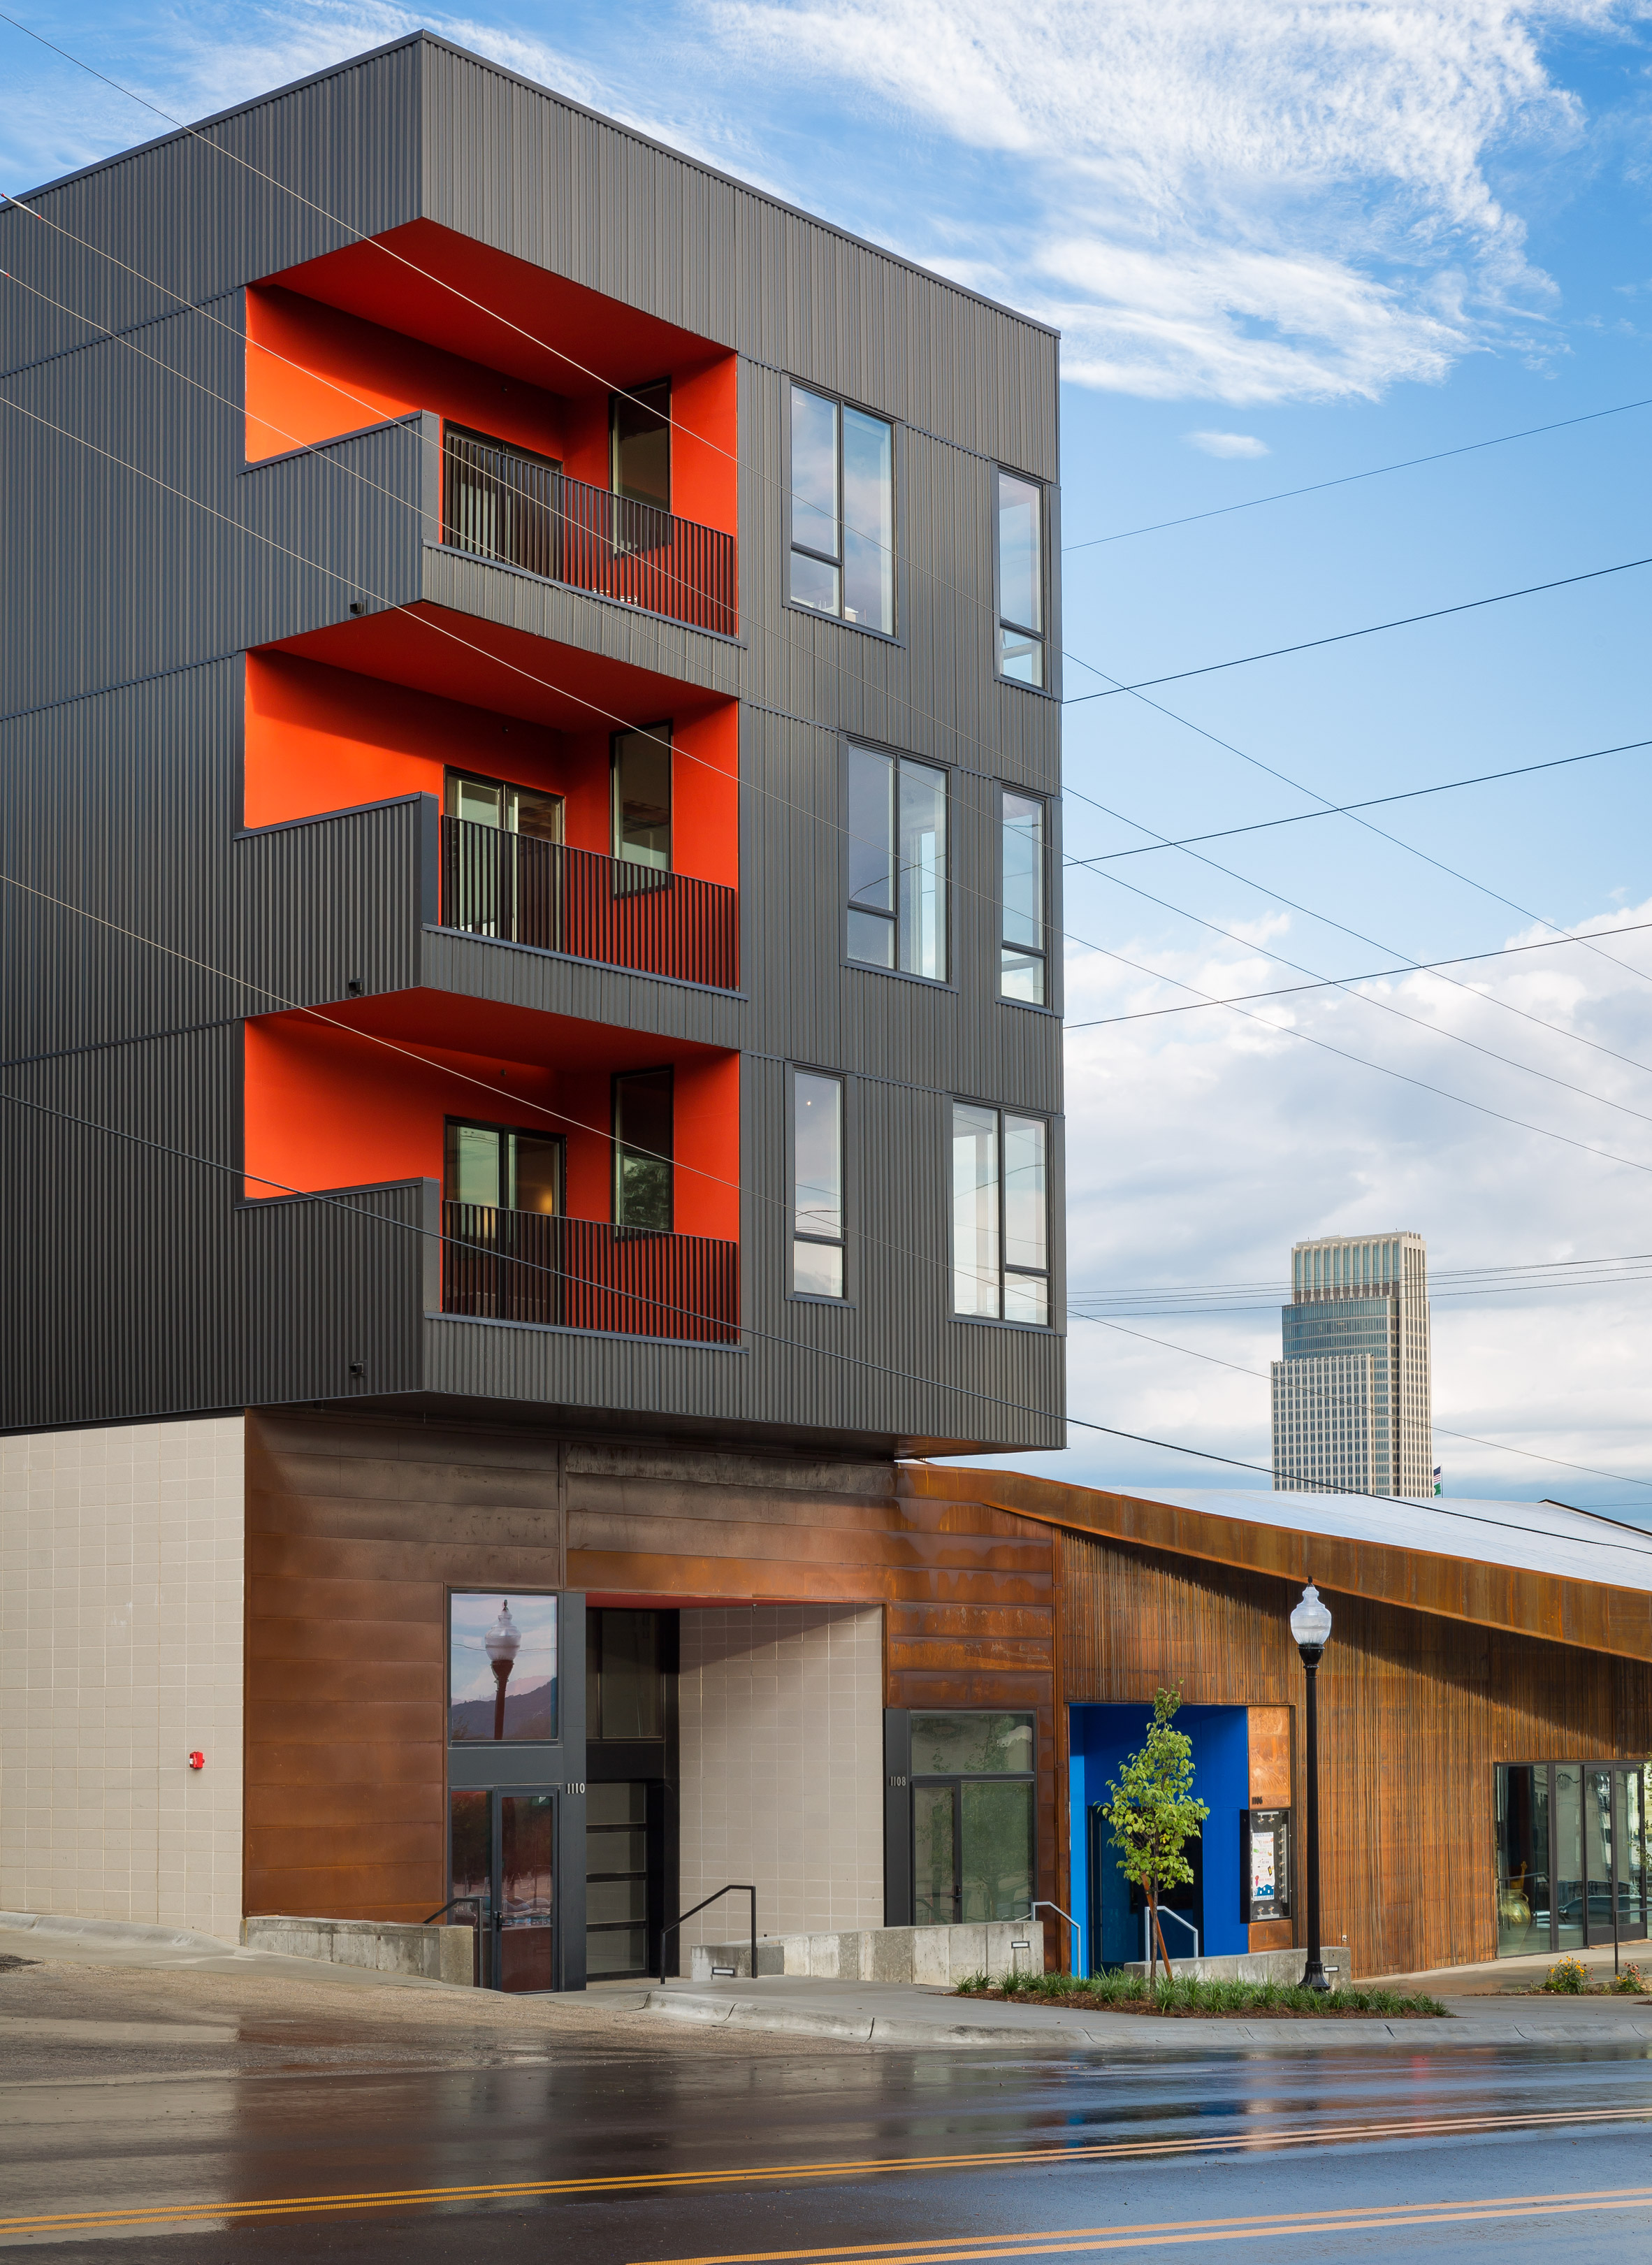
[280,1298]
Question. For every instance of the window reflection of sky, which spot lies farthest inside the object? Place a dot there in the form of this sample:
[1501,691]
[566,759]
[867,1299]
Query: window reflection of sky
[470,1678]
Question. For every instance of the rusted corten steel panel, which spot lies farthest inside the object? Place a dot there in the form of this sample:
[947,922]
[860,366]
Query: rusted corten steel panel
[1416,1709]
[1588,1614]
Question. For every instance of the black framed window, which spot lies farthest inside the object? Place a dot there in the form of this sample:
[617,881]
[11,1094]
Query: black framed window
[1019,515]
[896,814]
[502,1667]
[817,1185]
[1000,1214]
[1574,1862]
[973,1818]
[842,511]
[1025,881]
[499,803]
[500,1168]
[639,443]
[642,1150]
[641,766]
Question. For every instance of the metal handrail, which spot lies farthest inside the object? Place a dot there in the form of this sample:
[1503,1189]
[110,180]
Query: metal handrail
[1165,1912]
[731,1888]
[588,1274]
[1075,1932]
[453,1904]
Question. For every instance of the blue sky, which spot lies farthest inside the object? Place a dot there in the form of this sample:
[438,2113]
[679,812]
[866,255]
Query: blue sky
[1283,243]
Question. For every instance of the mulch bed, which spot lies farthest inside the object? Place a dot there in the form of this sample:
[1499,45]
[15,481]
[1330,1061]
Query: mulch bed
[1082,2002]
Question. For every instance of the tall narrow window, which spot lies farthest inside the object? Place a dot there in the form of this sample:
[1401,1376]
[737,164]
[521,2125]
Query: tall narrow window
[500,1169]
[817,1185]
[1021,629]
[1000,1214]
[642,797]
[1021,965]
[842,511]
[643,1151]
[639,431]
[897,816]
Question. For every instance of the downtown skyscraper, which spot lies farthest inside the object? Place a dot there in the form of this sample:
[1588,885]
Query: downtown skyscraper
[1352,1407]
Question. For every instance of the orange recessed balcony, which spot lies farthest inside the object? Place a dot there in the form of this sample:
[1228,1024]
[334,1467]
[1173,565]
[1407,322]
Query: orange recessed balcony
[588,1177]
[581,440]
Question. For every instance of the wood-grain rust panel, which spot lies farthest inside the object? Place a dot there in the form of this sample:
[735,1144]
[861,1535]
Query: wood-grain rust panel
[1415,1708]
[1589,1615]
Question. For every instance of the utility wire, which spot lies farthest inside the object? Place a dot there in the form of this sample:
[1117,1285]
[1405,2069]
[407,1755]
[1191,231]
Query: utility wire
[1376,974]
[1346,637]
[1442,1431]
[1368,825]
[881,1368]
[1348,480]
[1387,1007]
[1346,809]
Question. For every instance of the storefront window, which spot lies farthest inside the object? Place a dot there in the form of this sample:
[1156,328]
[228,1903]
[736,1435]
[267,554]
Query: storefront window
[1572,1855]
[502,1667]
[973,1812]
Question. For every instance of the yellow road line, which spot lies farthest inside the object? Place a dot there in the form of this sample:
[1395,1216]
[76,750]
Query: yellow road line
[643,2182]
[957,2249]
[1176,2231]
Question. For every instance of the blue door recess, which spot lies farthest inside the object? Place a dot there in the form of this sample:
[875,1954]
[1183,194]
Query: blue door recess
[1101,1737]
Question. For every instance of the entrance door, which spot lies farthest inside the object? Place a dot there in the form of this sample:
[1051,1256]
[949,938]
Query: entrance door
[973,1849]
[503,1852]
[622,1869]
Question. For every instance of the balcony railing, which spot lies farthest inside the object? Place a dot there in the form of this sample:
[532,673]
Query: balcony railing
[585,1274]
[526,890]
[524,512]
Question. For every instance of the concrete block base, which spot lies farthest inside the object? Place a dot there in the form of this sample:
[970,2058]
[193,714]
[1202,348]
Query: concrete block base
[439,1954]
[1251,1966]
[940,1955]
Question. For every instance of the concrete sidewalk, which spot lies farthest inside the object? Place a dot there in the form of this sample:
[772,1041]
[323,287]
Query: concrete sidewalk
[911,2015]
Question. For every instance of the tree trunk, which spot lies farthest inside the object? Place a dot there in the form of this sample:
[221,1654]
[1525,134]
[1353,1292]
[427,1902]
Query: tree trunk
[1163,1952]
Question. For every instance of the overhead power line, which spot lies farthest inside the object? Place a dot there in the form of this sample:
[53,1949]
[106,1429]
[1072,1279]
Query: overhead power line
[1336,982]
[826,1352]
[1374,802]
[1348,480]
[1346,637]
[1443,1430]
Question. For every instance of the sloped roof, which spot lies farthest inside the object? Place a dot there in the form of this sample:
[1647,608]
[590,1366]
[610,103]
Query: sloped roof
[1531,1568]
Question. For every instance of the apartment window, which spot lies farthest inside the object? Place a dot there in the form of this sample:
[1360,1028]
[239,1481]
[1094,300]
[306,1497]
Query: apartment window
[1024,869]
[897,824]
[842,511]
[642,797]
[643,1170]
[511,809]
[817,1185]
[500,1169]
[1000,1214]
[639,439]
[1021,539]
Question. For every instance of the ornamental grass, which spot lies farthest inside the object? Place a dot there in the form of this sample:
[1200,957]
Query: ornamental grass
[1182,1995]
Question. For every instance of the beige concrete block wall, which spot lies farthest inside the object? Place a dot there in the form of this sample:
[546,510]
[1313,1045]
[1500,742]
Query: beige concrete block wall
[121,1557]
[782,1732]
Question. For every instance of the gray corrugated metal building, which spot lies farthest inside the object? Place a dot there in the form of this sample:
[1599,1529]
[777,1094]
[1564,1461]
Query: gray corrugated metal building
[532,739]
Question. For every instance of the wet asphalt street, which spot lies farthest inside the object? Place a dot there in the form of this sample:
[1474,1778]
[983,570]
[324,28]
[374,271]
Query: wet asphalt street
[619,2145]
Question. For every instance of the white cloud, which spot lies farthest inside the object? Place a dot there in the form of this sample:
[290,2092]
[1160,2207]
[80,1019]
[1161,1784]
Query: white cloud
[1216,1142]
[1227,444]
[1233,198]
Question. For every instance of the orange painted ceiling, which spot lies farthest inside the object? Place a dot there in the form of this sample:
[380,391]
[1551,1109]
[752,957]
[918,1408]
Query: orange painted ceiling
[591,342]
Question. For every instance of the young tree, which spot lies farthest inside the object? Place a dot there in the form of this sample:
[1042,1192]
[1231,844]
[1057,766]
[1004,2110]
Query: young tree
[1153,1812]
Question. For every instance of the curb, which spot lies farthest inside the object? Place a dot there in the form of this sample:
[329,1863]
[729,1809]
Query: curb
[138,1933]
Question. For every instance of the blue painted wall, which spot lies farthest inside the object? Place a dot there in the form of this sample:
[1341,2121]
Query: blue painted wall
[1100,1739]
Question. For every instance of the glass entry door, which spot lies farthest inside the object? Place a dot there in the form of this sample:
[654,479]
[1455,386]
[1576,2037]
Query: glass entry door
[503,1849]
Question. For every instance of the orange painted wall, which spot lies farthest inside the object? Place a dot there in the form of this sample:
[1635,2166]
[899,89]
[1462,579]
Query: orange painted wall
[704,470]
[326,1108]
[313,372]
[321,738]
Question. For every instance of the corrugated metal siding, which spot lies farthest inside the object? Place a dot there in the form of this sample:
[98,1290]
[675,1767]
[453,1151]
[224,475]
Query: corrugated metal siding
[124,613]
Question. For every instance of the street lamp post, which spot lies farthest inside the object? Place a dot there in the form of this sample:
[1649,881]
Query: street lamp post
[501,1643]
[1311,1626]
